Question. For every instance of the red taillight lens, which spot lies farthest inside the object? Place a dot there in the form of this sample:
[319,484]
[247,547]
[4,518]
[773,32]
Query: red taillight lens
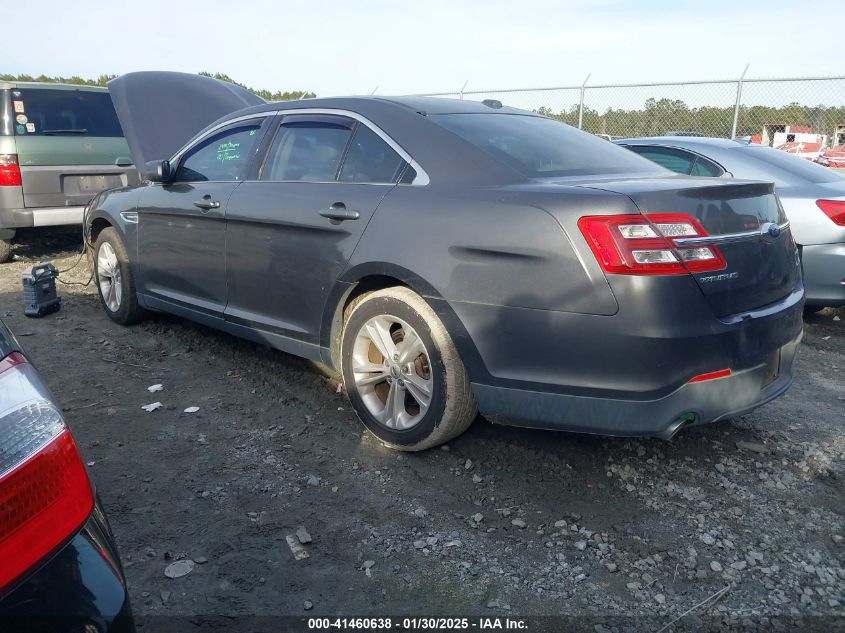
[10,172]
[834,209]
[645,245]
[45,494]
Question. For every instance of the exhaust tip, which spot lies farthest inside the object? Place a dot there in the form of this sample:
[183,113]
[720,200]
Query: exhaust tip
[686,419]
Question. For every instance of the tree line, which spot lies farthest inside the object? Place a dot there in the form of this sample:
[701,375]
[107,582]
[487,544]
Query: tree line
[662,115]
[102,80]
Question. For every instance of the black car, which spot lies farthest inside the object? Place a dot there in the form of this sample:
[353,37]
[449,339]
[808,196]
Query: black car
[450,257]
[59,567]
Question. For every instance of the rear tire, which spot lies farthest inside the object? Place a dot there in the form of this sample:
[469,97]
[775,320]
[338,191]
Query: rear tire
[115,283]
[5,251]
[402,372]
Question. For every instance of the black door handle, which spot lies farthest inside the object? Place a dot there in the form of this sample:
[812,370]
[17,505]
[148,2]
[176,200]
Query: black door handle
[339,212]
[206,205]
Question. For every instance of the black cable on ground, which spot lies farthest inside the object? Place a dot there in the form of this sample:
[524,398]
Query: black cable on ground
[85,247]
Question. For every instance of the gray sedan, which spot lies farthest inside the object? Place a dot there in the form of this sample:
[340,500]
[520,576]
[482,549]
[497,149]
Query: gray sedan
[812,196]
[449,257]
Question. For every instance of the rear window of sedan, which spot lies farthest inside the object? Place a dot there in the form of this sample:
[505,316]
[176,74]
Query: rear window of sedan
[794,166]
[539,147]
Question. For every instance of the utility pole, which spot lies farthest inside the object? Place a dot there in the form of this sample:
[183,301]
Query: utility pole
[581,103]
[738,100]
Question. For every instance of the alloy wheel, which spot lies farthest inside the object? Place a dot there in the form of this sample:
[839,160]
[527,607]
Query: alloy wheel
[392,371]
[109,277]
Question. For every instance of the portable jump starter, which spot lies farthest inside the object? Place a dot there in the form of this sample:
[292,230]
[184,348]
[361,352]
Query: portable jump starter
[39,290]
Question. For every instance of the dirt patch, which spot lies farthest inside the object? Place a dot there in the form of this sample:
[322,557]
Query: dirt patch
[502,521]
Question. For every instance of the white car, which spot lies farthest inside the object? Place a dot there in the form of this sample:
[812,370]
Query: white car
[812,196]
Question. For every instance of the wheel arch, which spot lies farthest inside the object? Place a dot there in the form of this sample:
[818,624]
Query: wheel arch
[96,226]
[373,276]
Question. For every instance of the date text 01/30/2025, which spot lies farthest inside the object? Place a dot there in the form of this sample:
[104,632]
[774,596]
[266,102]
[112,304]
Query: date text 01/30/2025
[414,624]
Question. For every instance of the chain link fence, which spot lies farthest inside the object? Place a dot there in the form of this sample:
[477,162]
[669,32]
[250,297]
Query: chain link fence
[772,111]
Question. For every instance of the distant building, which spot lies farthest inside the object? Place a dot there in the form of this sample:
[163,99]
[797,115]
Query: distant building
[777,134]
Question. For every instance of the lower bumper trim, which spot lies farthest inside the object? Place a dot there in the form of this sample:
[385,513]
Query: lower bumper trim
[44,216]
[690,404]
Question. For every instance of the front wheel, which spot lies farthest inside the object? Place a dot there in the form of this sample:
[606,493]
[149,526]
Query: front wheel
[115,283]
[402,372]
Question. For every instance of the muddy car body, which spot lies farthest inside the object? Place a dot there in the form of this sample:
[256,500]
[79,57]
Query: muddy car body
[447,255]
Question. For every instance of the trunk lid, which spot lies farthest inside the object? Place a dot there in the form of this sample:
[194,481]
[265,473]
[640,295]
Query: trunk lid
[746,223]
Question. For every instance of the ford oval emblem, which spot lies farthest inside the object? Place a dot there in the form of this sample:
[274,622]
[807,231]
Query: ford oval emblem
[770,231]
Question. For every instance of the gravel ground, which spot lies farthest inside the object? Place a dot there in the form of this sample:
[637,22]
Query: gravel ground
[502,521]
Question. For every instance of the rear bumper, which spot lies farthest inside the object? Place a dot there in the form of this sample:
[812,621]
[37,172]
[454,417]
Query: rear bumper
[824,274]
[691,404]
[47,216]
[626,374]
[80,588]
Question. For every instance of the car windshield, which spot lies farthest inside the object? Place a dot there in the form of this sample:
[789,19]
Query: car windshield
[796,166]
[539,147]
[50,112]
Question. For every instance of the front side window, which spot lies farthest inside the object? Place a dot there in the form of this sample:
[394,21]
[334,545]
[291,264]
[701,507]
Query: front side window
[539,147]
[224,157]
[53,112]
[308,150]
[370,159]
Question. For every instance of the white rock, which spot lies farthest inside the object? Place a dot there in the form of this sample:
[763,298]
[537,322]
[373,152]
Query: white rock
[149,408]
[179,568]
[154,388]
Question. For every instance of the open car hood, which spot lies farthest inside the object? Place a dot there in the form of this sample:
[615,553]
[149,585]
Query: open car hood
[161,111]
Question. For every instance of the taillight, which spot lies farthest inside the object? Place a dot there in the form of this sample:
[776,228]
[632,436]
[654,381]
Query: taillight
[45,493]
[645,245]
[834,209]
[10,172]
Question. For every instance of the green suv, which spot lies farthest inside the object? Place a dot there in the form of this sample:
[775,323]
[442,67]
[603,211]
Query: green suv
[59,146]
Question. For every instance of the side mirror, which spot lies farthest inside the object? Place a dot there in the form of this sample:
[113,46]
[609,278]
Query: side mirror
[157,171]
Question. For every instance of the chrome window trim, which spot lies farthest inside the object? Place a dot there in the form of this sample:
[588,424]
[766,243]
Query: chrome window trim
[726,238]
[420,180]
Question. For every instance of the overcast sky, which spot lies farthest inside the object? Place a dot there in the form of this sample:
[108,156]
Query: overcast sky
[333,47]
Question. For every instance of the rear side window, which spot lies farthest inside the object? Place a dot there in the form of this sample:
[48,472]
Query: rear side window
[541,147]
[46,112]
[224,157]
[308,151]
[704,167]
[673,159]
[370,159]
